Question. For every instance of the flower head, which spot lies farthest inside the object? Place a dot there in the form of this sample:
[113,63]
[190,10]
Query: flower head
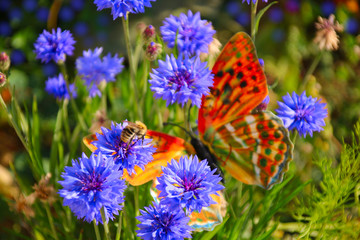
[326,36]
[191,34]
[254,1]
[93,70]
[188,184]
[119,8]
[54,46]
[126,155]
[91,184]
[263,105]
[161,222]
[56,86]
[181,79]
[306,114]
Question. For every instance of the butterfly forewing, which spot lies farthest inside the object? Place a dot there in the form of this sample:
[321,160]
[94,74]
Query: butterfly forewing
[253,148]
[239,84]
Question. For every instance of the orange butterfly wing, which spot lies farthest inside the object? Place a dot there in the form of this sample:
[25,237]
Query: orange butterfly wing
[168,147]
[253,148]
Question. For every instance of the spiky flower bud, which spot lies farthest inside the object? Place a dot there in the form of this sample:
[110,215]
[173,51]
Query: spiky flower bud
[149,33]
[152,51]
[4,62]
[2,79]
[44,190]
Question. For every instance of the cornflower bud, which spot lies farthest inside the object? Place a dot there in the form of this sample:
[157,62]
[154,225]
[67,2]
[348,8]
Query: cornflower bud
[44,190]
[149,33]
[152,51]
[2,79]
[4,62]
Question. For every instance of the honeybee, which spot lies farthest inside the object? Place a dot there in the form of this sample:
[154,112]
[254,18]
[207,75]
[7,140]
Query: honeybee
[137,129]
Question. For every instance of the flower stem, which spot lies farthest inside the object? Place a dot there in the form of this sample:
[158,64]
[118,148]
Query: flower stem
[72,101]
[311,70]
[47,208]
[294,137]
[136,200]
[97,233]
[118,232]
[106,227]
[125,23]
[253,19]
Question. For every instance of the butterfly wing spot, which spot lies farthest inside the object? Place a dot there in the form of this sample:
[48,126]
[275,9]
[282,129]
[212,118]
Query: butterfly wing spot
[243,84]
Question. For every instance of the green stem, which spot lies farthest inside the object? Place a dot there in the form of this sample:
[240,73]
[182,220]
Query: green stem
[72,101]
[125,23]
[294,137]
[47,208]
[118,232]
[311,70]
[97,232]
[106,226]
[253,19]
[136,200]
[56,139]
[65,122]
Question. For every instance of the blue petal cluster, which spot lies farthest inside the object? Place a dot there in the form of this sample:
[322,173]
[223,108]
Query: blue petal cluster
[159,222]
[305,114]
[119,8]
[188,184]
[91,184]
[56,86]
[181,79]
[126,156]
[191,34]
[93,70]
[54,46]
[254,1]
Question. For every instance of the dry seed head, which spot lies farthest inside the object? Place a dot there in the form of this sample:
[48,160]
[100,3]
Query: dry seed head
[326,37]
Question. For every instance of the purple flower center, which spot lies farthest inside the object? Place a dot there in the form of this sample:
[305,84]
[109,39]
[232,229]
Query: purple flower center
[181,78]
[301,114]
[190,185]
[92,182]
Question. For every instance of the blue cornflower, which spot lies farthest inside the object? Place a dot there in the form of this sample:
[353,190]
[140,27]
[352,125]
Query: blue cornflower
[181,79]
[191,34]
[119,8]
[56,86]
[306,114]
[91,184]
[126,155]
[188,184]
[254,1]
[93,70]
[161,222]
[54,46]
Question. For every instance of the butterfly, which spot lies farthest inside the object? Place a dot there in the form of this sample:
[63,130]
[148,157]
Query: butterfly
[252,146]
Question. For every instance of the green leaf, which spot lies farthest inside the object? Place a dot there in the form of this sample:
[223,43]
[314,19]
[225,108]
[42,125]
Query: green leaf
[211,234]
[260,14]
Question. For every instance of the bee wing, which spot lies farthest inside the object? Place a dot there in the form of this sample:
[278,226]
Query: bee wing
[168,147]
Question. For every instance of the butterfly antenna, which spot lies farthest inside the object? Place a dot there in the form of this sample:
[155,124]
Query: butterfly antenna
[174,124]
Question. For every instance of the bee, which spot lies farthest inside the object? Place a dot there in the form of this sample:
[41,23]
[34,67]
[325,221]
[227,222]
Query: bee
[137,129]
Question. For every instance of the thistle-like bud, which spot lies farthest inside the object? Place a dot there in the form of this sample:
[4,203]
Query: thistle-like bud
[23,205]
[2,79]
[326,37]
[4,62]
[100,120]
[149,33]
[152,51]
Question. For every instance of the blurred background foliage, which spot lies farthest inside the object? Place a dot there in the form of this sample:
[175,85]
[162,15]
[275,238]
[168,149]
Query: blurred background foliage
[284,41]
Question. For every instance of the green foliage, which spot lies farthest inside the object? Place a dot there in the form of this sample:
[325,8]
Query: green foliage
[331,207]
